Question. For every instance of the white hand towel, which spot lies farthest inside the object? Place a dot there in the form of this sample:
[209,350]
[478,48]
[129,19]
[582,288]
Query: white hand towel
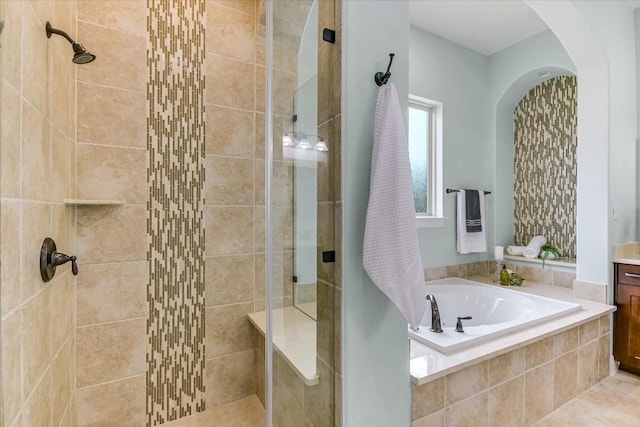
[516,250]
[391,255]
[533,248]
[469,242]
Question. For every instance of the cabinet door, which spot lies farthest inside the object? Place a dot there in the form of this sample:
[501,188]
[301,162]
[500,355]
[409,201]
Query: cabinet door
[627,341]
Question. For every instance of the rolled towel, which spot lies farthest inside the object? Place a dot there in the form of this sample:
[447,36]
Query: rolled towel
[516,250]
[533,248]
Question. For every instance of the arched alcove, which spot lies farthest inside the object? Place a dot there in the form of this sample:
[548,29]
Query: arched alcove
[580,42]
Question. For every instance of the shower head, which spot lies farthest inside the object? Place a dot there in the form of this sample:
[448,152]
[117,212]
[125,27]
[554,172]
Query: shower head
[80,54]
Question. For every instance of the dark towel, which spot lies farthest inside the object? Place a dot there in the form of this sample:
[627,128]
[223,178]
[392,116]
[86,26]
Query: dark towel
[472,208]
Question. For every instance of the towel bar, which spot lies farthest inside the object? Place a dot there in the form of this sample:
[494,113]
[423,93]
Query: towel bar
[453,190]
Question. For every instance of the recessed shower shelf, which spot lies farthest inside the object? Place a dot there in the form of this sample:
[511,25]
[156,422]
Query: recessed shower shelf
[86,202]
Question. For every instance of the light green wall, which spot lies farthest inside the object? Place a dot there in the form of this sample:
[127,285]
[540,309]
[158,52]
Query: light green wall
[375,357]
[479,94]
[459,78]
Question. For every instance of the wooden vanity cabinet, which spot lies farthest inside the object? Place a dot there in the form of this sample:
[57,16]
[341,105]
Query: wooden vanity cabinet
[626,343]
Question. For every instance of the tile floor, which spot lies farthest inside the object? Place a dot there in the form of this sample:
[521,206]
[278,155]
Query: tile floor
[613,402]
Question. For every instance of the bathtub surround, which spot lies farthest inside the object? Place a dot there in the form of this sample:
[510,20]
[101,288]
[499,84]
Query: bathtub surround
[543,375]
[545,165]
[175,222]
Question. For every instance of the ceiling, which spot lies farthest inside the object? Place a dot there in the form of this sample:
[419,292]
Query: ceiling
[486,26]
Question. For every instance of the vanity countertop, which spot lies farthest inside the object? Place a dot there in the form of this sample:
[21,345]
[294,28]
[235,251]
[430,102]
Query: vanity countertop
[627,253]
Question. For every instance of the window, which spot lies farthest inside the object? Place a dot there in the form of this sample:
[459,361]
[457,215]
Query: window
[425,152]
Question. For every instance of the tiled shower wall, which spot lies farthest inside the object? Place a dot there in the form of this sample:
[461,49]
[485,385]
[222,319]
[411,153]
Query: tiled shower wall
[112,164]
[37,152]
[545,165]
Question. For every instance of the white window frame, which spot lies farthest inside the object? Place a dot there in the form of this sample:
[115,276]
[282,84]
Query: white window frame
[435,190]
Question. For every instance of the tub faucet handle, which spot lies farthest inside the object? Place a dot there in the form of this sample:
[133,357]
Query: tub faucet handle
[459,323]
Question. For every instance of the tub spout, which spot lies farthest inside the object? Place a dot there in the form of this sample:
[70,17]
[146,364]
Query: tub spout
[435,315]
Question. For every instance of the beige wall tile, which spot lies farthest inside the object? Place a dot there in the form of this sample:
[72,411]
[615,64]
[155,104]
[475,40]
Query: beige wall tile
[435,273]
[589,331]
[37,215]
[111,292]
[538,393]
[605,324]
[118,55]
[539,352]
[36,340]
[283,217]
[36,164]
[325,167]
[566,341]
[287,381]
[337,334]
[587,366]
[506,366]
[117,403]
[472,412]
[10,253]
[62,381]
[324,322]
[112,173]
[427,398]
[284,87]
[466,382]
[246,6]
[260,76]
[111,351]
[127,15]
[222,272]
[229,378]
[12,44]
[456,270]
[229,181]
[283,181]
[229,230]
[478,268]
[505,403]
[37,409]
[434,420]
[111,116]
[535,274]
[326,240]
[35,72]
[228,329]
[230,132]
[109,234]
[62,308]
[230,32]
[63,88]
[11,140]
[318,400]
[260,138]
[590,291]
[12,395]
[62,156]
[604,354]
[259,176]
[325,81]
[563,279]
[237,90]
[565,378]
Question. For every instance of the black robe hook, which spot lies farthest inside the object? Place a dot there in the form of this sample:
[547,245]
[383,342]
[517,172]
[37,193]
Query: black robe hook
[382,78]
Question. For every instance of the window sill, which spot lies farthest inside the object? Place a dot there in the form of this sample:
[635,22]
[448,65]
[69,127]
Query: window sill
[423,221]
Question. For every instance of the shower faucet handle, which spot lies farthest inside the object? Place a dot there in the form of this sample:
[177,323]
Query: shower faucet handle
[58,258]
[50,259]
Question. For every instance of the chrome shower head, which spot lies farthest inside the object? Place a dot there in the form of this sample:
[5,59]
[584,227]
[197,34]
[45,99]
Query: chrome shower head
[80,54]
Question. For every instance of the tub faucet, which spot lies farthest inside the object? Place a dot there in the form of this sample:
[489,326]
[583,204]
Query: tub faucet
[435,315]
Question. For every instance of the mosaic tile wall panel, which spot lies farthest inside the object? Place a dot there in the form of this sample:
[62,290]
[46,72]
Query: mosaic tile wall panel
[176,144]
[545,165]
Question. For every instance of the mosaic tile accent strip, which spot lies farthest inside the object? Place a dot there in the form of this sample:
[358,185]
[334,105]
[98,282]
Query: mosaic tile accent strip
[545,165]
[175,225]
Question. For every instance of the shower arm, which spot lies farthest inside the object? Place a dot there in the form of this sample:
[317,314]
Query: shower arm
[51,30]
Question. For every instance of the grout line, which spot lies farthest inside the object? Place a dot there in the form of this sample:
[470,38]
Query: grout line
[140,374]
[111,322]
